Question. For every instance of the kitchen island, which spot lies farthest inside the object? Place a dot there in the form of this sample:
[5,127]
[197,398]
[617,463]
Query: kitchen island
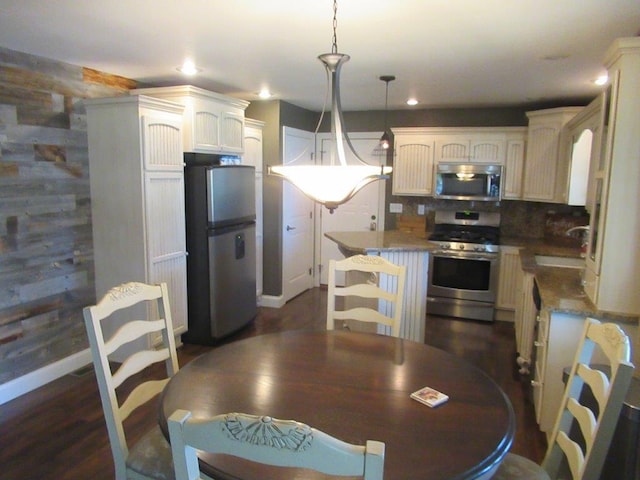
[402,248]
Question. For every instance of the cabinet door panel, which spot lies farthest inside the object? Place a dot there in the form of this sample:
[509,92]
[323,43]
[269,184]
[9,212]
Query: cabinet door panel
[487,151]
[453,150]
[508,287]
[173,271]
[413,167]
[162,143]
[232,132]
[540,170]
[164,211]
[514,164]
[206,131]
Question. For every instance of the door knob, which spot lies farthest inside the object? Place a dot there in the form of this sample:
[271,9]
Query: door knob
[289,228]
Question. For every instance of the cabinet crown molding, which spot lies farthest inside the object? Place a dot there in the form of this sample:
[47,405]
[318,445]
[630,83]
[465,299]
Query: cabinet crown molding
[455,130]
[180,91]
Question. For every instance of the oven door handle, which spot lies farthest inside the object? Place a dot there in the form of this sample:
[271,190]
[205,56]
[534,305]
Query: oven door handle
[465,256]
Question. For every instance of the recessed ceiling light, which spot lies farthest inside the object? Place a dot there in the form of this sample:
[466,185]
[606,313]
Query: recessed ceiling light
[412,102]
[189,68]
[601,80]
[264,94]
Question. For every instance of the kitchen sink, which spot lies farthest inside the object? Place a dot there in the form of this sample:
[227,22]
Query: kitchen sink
[562,262]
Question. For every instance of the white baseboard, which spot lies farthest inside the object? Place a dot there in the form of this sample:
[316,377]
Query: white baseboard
[26,383]
[272,301]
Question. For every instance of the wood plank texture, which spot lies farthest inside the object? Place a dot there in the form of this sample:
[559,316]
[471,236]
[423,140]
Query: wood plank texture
[46,246]
[38,426]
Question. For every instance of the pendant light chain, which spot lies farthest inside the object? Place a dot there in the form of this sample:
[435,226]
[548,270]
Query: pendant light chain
[334,48]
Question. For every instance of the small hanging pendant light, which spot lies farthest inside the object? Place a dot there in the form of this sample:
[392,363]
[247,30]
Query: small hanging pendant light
[385,140]
[334,184]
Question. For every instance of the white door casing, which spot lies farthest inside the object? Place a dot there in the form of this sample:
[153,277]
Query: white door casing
[365,211]
[297,218]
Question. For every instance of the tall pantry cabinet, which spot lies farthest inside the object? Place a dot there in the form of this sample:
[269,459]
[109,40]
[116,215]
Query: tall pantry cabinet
[137,196]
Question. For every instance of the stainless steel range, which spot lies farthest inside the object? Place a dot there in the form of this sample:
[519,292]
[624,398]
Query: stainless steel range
[463,270]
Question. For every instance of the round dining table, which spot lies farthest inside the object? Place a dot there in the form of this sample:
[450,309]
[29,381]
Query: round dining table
[355,387]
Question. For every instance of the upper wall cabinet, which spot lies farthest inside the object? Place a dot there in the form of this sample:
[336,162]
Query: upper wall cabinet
[213,123]
[546,166]
[412,162]
[584,134]
[514,164]
[418,150]
[470,148]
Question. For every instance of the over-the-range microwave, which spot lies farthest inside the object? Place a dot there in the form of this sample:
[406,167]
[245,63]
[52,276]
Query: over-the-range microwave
[458,181]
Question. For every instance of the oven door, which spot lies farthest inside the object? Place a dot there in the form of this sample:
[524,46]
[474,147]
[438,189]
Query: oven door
[462,284]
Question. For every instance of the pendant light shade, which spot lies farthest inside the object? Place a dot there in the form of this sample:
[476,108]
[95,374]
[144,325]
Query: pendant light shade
[335,183]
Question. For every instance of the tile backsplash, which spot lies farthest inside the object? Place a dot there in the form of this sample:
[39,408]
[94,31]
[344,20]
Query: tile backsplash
[518,218]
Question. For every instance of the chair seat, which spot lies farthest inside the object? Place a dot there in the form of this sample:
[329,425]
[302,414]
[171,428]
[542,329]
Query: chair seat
[520,468]
[151,457]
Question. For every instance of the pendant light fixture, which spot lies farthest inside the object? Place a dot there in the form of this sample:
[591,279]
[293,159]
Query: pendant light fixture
[384,140]
[334,184]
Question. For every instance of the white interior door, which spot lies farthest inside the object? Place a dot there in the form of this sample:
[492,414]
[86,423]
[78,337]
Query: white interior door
[365,211]
[297,218]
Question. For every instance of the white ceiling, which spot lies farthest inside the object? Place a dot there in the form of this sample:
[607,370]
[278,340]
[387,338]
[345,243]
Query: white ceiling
[445,53]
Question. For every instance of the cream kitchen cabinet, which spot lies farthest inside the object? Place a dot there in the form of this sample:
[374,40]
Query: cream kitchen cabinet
[546,165]
[514,165]
[137,196]
[213,123]
[253,156]
[471,148]
[612,264]
[413,162]
[418,150]
[508,279]
[526,316]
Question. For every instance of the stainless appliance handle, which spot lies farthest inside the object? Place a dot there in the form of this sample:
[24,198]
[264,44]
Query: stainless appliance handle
[465,256]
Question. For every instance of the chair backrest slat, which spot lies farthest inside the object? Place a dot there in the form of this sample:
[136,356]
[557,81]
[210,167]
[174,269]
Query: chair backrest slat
[385,283]
[132,331]
[138,362]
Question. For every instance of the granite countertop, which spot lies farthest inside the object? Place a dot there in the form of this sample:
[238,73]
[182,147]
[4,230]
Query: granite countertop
[373,242]
[561,288]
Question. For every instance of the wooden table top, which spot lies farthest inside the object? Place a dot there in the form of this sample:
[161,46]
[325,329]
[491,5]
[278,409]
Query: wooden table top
[356,387]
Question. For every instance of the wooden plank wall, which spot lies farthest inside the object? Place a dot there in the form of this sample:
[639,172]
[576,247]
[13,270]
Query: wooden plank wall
[46,252]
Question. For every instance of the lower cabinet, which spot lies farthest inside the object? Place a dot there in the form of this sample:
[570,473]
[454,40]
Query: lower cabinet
[556,344]
[509,278]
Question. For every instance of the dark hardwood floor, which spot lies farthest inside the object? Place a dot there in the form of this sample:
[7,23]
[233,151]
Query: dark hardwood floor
[58,431]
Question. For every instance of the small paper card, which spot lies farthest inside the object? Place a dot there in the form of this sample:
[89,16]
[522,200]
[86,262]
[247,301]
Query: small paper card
[429,396]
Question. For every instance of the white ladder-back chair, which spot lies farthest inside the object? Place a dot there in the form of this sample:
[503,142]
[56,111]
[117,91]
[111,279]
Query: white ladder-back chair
[267,440]
[566,457]
[151,456]
[390,298]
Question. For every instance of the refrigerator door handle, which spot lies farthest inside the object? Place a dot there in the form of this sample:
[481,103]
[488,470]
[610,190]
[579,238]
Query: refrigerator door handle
[239,246]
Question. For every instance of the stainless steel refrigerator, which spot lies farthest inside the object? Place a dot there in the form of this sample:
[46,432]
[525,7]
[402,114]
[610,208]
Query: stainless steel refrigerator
[221,261]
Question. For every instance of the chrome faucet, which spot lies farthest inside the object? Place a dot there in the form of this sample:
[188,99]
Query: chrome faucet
[584,229]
